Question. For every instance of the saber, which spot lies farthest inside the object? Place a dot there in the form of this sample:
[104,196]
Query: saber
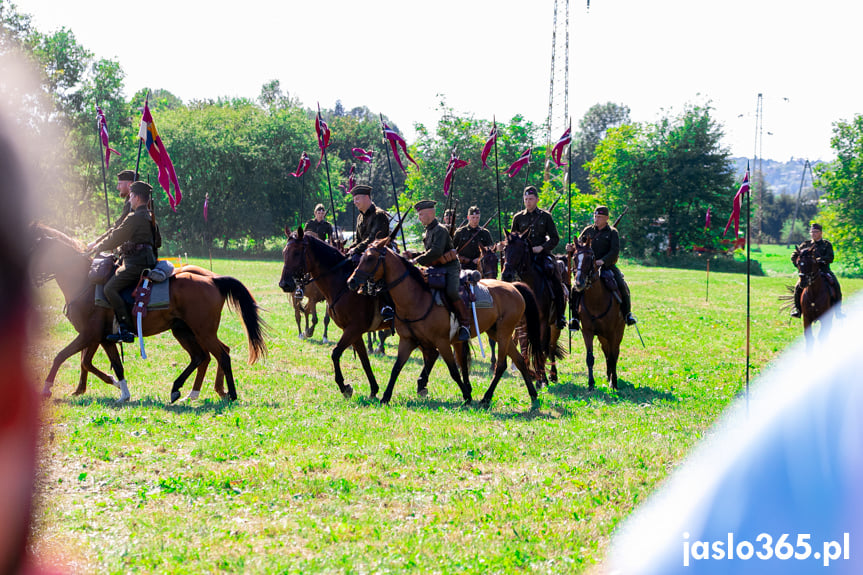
[141,308]
[476,322]
[638,331]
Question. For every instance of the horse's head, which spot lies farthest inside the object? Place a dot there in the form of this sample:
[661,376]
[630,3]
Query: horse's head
[516,256]
[371,264]
[584,265]
[294,255]
[54,253]
[488,261]
[807,266]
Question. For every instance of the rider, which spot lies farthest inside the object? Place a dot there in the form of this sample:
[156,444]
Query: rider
[469,238]
[605,243]
[319,226]
[372,223]
[135,237]
[440,253]
[542,238]
[824,254]
[124,184]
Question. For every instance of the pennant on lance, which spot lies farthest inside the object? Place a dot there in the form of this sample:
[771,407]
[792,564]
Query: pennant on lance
[159,154]
[323,132]
[102,123]
[486,150]
[206,205]
[738,199]
[454,164]
[362,155]
[557,151]
[393,138]
[707,220]
[303,166]
[517,165]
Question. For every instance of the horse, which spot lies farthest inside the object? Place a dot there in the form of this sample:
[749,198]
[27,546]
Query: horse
[193,315]
[305,302]
[518,261]
[306,258]
[487,267]
[598,311]
[815,298]
[422,323]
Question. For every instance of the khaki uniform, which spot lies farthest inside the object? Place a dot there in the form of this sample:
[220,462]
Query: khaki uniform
[135,238]
[824,252]
[605,243]
[437,242]
[467,241]
[322,229]
[372,223]
[543,232]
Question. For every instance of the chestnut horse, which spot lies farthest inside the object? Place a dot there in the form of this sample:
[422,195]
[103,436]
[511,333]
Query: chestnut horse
[422,323]
[306,258]
[598,311]
[193,316]
[487,267]
[518,261]
[815,298]
[305,302]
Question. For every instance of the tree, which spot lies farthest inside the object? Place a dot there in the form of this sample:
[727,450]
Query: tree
[592,129]
[842,216]
[668,174]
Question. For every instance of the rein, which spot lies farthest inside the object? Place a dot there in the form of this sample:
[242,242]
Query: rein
[589,283]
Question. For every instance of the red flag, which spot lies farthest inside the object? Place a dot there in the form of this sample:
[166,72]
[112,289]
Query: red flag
[303,166]
[394,139]
[323,132]
[738,198]
[486,150]
[557,151]
[102,123]
[157,151]
[362,155]
[707,220]
[350,185]
[206,204]
[454,164]
[517,165]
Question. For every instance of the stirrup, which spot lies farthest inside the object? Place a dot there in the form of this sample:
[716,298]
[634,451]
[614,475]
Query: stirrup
[574,324]
[630,319]
[796,313]
[123,335]
[463,333]
[387,313]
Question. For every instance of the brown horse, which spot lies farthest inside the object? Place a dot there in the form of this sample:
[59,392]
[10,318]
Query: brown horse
[193,316]
[518,262]
[815,298]
[598,311]
[305,302]
[307,258]
[422,323]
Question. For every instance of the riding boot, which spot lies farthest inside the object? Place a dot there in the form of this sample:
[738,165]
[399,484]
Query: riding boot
[798,291]
[559,303]
[124,332]
[574,301]
[626,305]
[387,311]
[463,319]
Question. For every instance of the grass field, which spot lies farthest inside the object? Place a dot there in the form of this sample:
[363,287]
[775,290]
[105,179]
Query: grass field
[294,479]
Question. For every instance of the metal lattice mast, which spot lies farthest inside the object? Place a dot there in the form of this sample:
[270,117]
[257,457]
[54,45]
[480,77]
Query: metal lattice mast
[558,96]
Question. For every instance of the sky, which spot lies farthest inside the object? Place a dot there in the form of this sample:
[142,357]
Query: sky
[493,58]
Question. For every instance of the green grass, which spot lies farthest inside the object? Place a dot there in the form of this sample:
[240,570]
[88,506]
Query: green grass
[294,479]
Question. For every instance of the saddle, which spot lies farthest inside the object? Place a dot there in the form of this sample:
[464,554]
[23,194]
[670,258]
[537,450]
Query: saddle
[158,290]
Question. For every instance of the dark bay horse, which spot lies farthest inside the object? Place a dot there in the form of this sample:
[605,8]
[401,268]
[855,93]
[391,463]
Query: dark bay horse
[518,262]
[598,311]
[815,298]
[308,258]
[487,267]
[422,323]
[305,302]
[193,316]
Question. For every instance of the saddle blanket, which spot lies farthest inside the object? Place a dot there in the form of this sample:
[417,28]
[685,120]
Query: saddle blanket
[483,296]
[160,297]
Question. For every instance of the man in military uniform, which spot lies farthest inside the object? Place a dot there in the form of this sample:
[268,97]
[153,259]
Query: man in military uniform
[824,252]
[448,216]
[124,184]
[440,253]
[469,238]
[605,243]
[319,226]
[372,223]
[134,236]
[543,238]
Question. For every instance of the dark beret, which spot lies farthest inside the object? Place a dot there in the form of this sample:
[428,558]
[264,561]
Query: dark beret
[424,205]
[126,176]
[320,207]
[141,189]
[815,227]
[361,190]
[472,210]
[532,191]
[601,210]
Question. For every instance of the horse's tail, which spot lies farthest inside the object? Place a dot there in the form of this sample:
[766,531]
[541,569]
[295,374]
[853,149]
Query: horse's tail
[537,347]
[242,302]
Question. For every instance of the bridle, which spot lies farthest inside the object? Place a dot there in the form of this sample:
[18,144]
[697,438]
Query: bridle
[593,274]
[807,278]
[524,259]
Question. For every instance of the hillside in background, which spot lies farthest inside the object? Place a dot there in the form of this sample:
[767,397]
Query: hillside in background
[781,177]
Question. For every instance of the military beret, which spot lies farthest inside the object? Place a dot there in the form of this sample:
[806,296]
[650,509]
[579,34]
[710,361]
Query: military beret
[361,190]
[320,207]
[472,210]
[424,205]
[126,176]
[815,227]
[448,213]
[531,190]
[141,189]
[601,210]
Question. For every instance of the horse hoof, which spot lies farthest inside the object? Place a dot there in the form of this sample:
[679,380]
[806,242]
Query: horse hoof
[232,396]
[467,402]
[422,392]
[534,404]
[538,384]
[348,392]
[76,393]
[325,341]
[175,395]
[301,336]
[46,394]
[485,404]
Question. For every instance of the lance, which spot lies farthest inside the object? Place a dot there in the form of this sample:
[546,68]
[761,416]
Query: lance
[497,180]
[393,180]
[104,176]
[140,139]
[568,178]
[398,227]
[452,204]
[329,185]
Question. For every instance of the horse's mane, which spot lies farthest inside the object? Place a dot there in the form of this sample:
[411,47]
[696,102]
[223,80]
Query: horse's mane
[328,256]
[413,271]
[41,230]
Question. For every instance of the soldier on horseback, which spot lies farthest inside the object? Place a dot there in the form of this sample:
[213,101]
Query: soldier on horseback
[135,237]
[824,254]
[372,223]
[440,253]
[469,238]
[605,243]
[542,237]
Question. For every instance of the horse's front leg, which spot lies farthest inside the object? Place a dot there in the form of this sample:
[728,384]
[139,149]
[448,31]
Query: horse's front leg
[588,346]
[77,344]
[406,347]
[446,354]
[429,358]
